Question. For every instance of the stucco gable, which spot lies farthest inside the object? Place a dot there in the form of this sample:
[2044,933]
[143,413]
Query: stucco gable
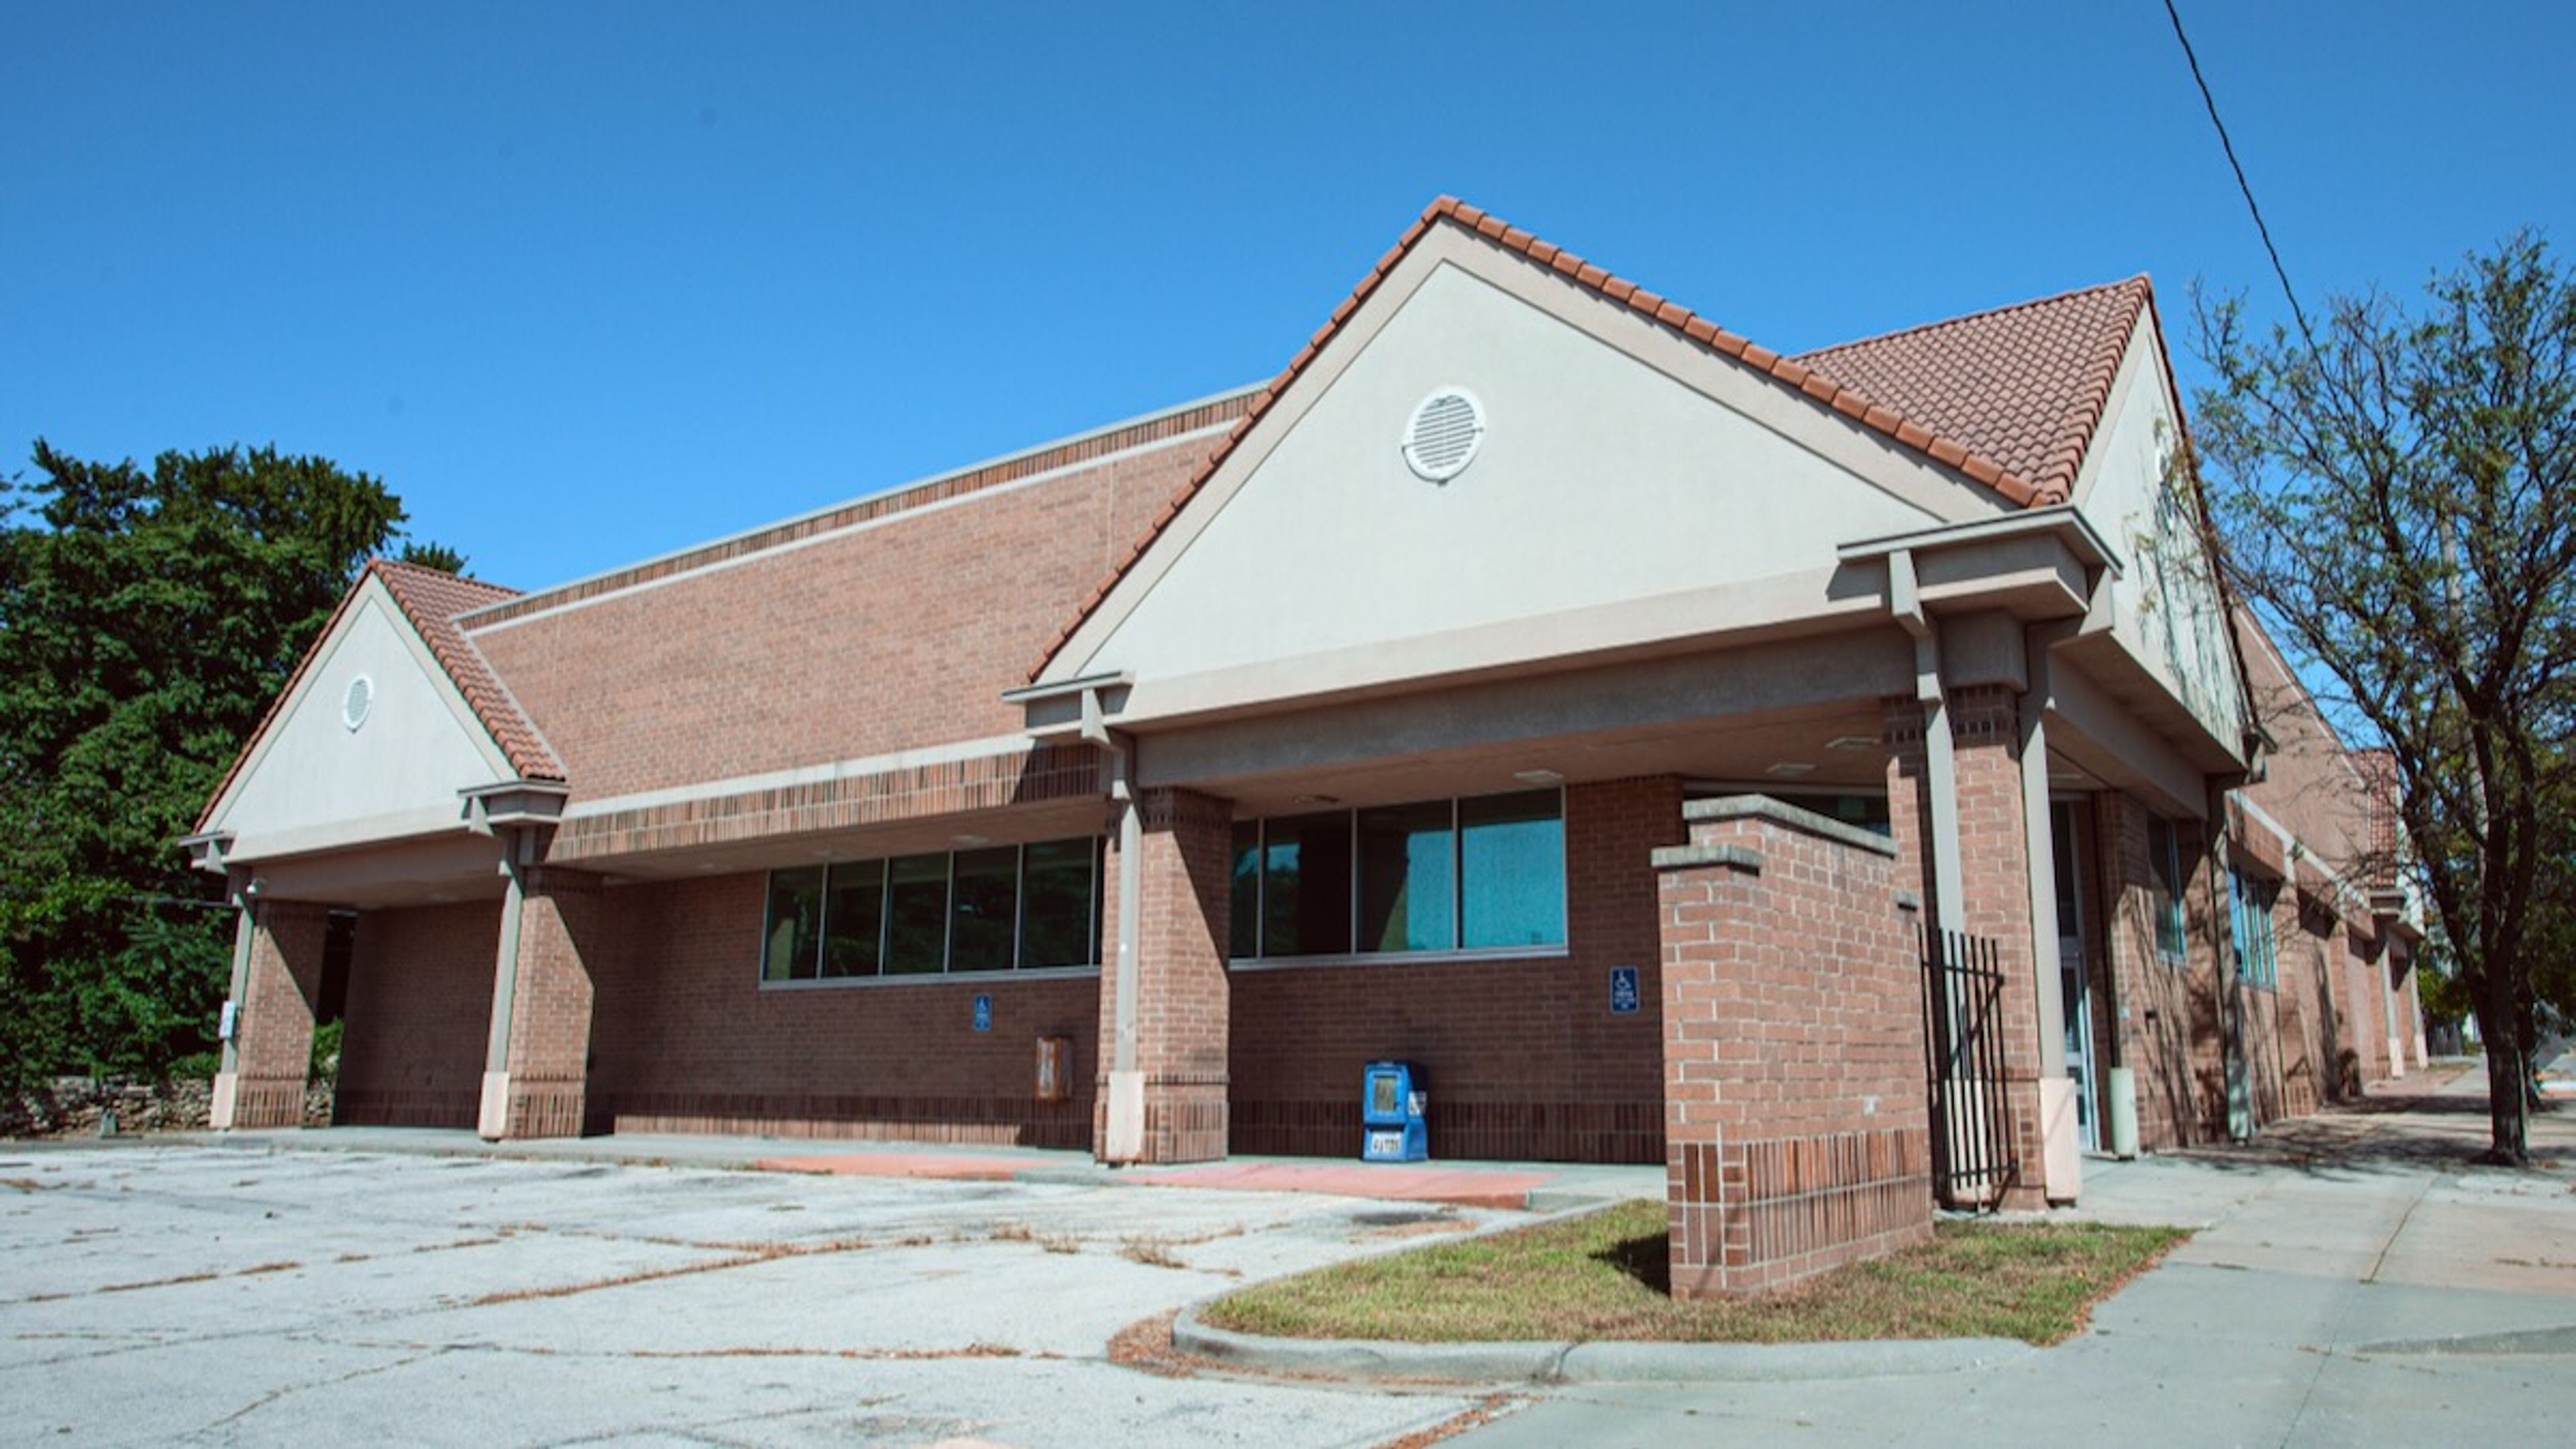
[311,779]
[1631,485]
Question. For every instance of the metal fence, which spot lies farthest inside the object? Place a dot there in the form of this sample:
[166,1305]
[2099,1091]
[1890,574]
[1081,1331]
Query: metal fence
[1972,1140]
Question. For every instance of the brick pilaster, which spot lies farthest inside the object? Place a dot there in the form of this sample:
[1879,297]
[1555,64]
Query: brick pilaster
[1994,885]
[549,1059]
[274,1037]
[1184,911]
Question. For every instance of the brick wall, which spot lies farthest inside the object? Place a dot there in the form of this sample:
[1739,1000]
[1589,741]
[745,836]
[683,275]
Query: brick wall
[685,1039]
[1523,1056]
[419,1013]
[1796,1116]
[274,1041]
[899,635]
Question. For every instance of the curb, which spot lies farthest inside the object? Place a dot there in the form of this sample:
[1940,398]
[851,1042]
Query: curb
[1590,1363]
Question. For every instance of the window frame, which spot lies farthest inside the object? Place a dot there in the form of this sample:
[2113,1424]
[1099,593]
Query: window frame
[1356,890]
[2166,890]
[2255,899]
[947,972]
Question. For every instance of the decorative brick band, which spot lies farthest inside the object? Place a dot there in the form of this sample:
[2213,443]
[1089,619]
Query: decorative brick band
[545,1109]
[1536,1131]
[961,1121]
[268,1102]
[1757,1214]
[988,782]
[404,1107]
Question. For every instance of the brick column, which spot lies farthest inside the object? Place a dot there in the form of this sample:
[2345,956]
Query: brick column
[1796,1122]
[1162,1092]
[1994,887]
[273,1035]
[539,1087]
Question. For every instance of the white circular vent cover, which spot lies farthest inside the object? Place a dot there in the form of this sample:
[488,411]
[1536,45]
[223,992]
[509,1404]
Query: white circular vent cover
[358,701]
[1442,437]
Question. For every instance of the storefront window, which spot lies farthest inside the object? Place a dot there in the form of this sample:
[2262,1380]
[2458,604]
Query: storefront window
[1483,873]
[1033,907]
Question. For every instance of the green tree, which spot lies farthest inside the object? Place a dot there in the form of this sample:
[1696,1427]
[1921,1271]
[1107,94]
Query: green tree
[2398,497]
[147,618]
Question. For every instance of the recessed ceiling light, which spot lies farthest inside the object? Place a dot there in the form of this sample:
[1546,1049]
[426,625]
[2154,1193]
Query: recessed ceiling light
[1317,800]
[1791,769]
[971,841]
[1538,777]
[1852,742]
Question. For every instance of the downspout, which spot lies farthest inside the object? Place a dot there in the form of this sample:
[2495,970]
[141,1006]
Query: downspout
[1940,761]
[1123,1128]
[493,1119]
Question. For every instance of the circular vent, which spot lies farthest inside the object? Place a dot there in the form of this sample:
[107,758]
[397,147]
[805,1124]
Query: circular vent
[358,701]
[1442,438]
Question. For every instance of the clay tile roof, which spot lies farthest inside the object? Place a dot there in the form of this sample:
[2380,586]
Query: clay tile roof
[2023,385]
[431,600]
[2052,395]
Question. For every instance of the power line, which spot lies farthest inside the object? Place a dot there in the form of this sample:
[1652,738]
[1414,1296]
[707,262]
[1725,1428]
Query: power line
[2242,185]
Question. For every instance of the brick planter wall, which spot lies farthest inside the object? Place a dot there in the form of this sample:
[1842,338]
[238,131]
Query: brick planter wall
[1797,1122]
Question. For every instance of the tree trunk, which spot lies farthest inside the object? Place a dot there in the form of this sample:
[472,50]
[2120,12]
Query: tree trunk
[2508,1082]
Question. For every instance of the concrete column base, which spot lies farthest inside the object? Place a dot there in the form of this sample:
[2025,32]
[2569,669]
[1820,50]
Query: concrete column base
[492,1119]
[2062,1152]
[220,1114]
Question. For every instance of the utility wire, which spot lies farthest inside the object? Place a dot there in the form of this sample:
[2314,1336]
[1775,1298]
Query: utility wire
[2242,185]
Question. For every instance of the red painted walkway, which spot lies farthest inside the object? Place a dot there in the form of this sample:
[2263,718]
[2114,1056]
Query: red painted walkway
[1465,1187]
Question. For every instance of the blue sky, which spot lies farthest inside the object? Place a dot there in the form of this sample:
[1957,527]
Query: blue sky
[586,282]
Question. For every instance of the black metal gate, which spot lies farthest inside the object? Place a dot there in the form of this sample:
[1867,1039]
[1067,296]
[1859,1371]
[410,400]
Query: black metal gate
[1972,1141]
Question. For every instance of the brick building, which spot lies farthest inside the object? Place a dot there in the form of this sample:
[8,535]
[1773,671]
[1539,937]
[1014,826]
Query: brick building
[1535,682]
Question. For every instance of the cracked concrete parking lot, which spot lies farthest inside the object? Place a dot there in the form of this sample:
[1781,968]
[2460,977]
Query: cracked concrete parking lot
[175,1294]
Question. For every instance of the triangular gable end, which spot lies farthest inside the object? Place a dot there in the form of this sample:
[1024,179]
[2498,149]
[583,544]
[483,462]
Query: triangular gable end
[371,741]
[1056,662]
[2170,605]
[1631,468]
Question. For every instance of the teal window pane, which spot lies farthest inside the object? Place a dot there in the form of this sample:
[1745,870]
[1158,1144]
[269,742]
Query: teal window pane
[1408,878]
[854,924]
[1512,869]
[1306,886]
[1244,937]
[1055,905]
[916,914]
[984,908]
[795,925]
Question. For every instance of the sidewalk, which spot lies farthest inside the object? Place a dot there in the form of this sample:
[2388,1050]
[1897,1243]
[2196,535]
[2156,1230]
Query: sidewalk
[2354,1280]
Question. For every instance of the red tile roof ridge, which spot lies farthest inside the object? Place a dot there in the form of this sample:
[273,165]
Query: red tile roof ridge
[1980,315]
[411,586]
[432,599]
[1670,315]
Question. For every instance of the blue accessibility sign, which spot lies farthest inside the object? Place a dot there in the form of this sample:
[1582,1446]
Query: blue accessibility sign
[1623,990]
[983,1013]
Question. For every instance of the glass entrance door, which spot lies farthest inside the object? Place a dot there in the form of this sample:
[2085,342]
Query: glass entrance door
[2073,981]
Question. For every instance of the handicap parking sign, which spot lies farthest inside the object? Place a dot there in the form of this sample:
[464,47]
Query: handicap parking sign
[983,1013]
[1623,990]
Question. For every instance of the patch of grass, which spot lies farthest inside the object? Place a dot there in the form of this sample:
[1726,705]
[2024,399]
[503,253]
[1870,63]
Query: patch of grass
[1604,1276]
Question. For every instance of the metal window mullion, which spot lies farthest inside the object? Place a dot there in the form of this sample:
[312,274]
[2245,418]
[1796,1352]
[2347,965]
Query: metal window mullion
[1457,881]
[1019,910]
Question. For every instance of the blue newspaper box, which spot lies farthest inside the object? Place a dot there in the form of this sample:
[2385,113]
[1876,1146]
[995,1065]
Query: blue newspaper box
[1393,1104]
